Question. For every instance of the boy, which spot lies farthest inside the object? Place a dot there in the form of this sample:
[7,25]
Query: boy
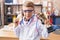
[30,27]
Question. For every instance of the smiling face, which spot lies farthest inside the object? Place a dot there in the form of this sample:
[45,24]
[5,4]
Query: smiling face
[28,12]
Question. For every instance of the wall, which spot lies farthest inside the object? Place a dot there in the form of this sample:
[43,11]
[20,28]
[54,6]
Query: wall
[2,14]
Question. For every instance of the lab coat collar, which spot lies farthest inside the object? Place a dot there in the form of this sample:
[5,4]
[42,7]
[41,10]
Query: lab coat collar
[27,22]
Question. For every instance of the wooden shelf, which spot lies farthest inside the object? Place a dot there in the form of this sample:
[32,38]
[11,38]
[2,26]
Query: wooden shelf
[13,4]
[20,4]
[38,4]
[10,14]
[57,16]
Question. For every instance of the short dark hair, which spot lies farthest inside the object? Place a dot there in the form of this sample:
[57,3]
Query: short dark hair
[28,4]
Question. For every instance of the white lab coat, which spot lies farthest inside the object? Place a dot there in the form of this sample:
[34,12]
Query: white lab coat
[31,30]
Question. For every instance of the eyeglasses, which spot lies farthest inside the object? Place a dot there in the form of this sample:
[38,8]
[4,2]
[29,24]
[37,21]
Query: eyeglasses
[27,10]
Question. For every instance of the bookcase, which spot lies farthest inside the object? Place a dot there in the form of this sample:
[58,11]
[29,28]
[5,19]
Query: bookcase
[10,10]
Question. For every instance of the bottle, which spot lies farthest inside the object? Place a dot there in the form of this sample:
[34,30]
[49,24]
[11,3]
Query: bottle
[14,17]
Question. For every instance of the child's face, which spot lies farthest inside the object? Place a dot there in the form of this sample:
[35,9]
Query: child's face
[28,11]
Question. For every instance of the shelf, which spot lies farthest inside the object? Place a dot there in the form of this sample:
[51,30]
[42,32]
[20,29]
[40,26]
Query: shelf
[13,4]
[38,4]
[10,14]
[20,4]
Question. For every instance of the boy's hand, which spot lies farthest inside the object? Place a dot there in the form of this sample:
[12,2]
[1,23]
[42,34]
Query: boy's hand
[18,19]
[16,22]
[47,22]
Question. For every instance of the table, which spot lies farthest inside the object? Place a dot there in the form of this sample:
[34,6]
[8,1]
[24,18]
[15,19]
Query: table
[54,36]
[9,35]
